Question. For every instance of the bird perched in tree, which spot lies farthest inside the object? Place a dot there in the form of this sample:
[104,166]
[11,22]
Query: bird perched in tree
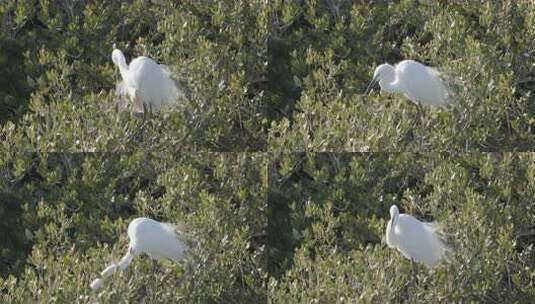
[421,84]
[155,239]
[417,241]
[146,83]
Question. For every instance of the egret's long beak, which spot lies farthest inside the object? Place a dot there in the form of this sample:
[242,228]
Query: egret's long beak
[370,85]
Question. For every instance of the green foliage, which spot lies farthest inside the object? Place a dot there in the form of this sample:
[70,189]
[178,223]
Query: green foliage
[13,82]
[74,210]
[299,224]
[331,249]
[323,54]
[216,51]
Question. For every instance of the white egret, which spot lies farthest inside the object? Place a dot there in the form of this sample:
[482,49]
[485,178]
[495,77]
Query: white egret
[157,240]
[419,83]
[417,241]
[145,82]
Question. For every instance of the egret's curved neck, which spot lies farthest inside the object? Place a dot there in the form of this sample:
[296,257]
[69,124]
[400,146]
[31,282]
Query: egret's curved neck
[125,261]
[120,61]
[389,86]
[394,221]
[387,81]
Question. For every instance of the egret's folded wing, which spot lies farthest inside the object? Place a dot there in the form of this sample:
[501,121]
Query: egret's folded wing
[170,84]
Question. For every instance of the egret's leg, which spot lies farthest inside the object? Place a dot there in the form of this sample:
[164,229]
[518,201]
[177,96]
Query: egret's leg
[144,111]
[414,271]
[420,112]
[420,122]
[187,269]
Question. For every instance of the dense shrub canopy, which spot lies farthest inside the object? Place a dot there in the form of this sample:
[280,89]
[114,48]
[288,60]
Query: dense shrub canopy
[323,53]
[288,75]
[328,215]
[64,218]
[275,159]
[59,91]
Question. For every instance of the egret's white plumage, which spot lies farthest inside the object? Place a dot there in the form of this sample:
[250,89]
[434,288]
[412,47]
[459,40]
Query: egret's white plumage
[416,240]
[419,83]
[145,82]
[155,239]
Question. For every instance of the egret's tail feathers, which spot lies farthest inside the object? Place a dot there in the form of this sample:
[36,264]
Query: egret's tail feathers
[435,227]
[179,230]
[165,69]
[186,240]
[446,87]
[438,242]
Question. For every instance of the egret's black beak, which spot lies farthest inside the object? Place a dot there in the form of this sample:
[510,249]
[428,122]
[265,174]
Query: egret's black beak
[370,85]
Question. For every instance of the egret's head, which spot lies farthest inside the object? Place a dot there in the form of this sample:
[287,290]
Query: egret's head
[117,57]
[384,73]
